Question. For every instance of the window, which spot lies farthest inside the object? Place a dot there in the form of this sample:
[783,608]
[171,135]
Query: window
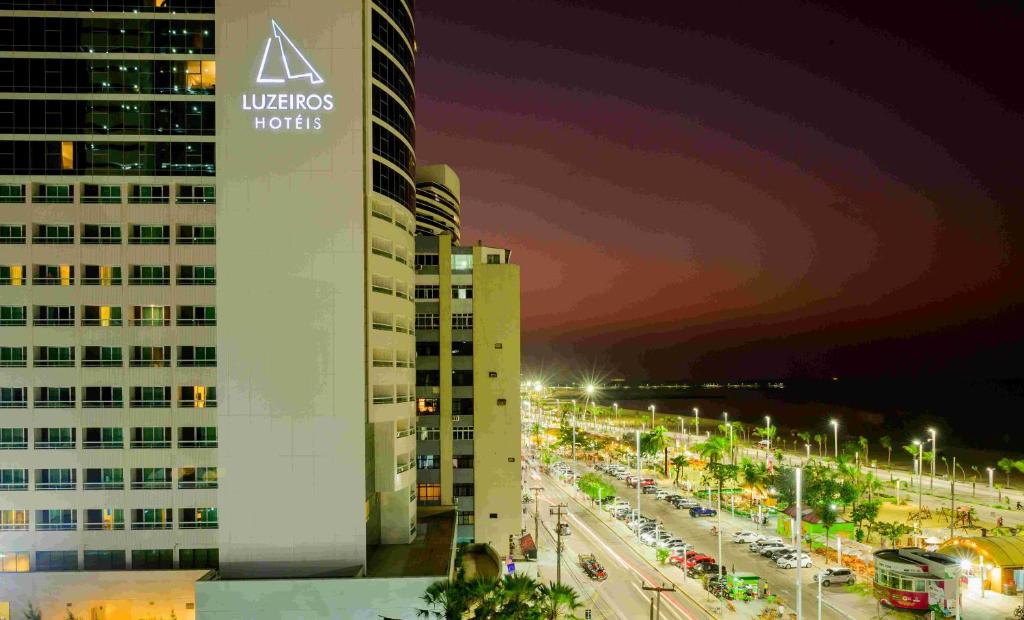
[151,357]
[462,348]
[426,348]
[102,396]
[383,321]
[428,461]
[152,559]
[462,262]
[402,325]
[13,357]
[428,378]
[13,561]
[150,275]
[197,478]
[383,394]
[462,377]
[101,275]
[197,518]
[54,193]
[101,316]
[12,275]
[12,234]
[428,493]
[103,437]
[13,438]
[198,558]
[200,76]
[151,477]
[466,518]
[197,315]
[57,479]
[151,437]
[110,479]
[428,321]
[462,321]
[51,316]
[55,520]
[462,489]
[157,396]
[428,406]
[462,406]
[105,560]
[493,259]
[149,234]
[189,234]
[56,561]
[462,432]
[152,316]
[12,316]
[382,247]
[197,396]
[14,520]
[101,194]
[426,260]
[428,291]
[462,291]
[382,284]
[13,397]
[197,437]
[53,233]
[462,461]
[13,479]
[149,194]
[54,275]
[101,234]
[104,519]
[197,357]
[12,194]
[101,357]
[54,398]
[197,194]
[428,433]
[201,275]
[383,358]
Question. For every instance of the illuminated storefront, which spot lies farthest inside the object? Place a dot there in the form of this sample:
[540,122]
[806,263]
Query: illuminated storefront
[917,580]
[994,563]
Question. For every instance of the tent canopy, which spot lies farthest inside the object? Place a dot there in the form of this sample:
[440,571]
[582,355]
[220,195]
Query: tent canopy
[1004,551]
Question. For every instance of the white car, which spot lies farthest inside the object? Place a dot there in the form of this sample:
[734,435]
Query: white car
[661,494]
[789,561]
[648,538]
[745,537]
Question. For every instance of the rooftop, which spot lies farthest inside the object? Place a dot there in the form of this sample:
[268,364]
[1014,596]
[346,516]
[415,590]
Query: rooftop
[429,555]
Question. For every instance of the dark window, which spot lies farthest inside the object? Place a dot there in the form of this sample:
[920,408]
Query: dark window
[107,76]
[462,489]
[107,158]
[53,561]
[386,181]
[385,108]
[428,348]
[462,406]
[113,6]
[462,347]
[462,461]
[55,34]
[199,558]
[152,559]
[401,13]
[386,35]
[391,76]
[392,148]
[428,378]
[105,560]
[462,377]
[428,461]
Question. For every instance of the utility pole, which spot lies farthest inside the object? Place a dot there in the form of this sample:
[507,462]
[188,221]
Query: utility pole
[952,505]
[558,541]
[536,519]
[656,611]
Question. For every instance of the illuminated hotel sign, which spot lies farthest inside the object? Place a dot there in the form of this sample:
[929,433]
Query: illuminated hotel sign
[282,66]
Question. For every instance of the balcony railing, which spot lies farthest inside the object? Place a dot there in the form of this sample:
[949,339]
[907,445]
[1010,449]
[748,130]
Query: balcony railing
[405,432]
[91,240]
[150,404]
[68,281]
[151,485]
[102,445]
[404,467]
[197,404]
[44,240]
[151,525]
[203,443]
[187,363]
[15,240]
[197,484]
[100,281]
[101,363]
[54,445]
[149,281]
[62,322]
[150,444]
[197,525]
[14,364]
[13,322]
[151,322]
[383,400]
[101,200]
[383,326]
[94,527]
[14,486]
[56,527]
[100,323]
[196,240]
[54,404]
[196,201]
[53,363]
[12,200]
[13,527]
[197,322]
[53,200]
[56,486]
[13,404]
[148,200]
[103,486]
[14,445]
[103,404]
[148,240]
[137,363]
[196,281]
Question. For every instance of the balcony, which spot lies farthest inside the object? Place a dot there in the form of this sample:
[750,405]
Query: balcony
[56,486]
[137,363]
[14,486]
[194,363]
[151,485]
[14,364]
[197,484]
[13,322]
[45,240]
[152,525]
[103,445]
[13,527]
[405,432]
[100,281]
[103,486]
[58,281]
[55,322]
[52,200]
[197,525]
[13,240]
[113,403]
[13,404]
[91,240]
[99,526]
[56,527]
[148,200]
[197,322]
[201,200]
[162,240]
[55,445]
[101,200]
[198,404]
[101,363]
[53,363]
[149,281]
[404,467]
[100,322]
[12,199]
[196,281]
[144,444]
[196,240]
[54,404]
[14,445]
[199,443]
[150,404]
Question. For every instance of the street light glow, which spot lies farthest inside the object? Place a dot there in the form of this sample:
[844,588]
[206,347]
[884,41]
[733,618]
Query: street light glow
[590,388]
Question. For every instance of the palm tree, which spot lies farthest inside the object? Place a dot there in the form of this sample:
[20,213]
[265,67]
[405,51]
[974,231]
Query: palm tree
[557,601]
[1006,465]
[654,441]
[804,437]
[679,462]
[754,474]
[450,596]
[819,438]
[862,441]
[886,442]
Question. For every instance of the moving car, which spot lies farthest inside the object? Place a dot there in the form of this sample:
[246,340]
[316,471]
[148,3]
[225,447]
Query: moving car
[592,567]
[835,575]
[647,482]
[700,511]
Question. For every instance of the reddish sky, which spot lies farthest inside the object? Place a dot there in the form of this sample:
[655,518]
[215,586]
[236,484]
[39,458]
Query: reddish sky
[742,189]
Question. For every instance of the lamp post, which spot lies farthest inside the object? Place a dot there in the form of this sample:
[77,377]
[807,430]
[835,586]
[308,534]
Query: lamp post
[696,421]
[835,429]
[768,433]
[798,521]
[920,473]
[638,485]
[652,416]
[574,445]
[732,454]
[990,472]
[808,446]
[615,408]
[931,483]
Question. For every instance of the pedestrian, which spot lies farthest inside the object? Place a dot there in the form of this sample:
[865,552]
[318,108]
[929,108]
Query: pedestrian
[764,591]
[781,611]
[999,522]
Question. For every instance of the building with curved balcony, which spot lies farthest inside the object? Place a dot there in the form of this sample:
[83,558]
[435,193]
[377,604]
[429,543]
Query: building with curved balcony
[438,201]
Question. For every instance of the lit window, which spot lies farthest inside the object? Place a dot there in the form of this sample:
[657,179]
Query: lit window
[67,155]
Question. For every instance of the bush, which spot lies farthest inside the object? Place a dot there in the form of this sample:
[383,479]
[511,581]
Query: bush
[662,555]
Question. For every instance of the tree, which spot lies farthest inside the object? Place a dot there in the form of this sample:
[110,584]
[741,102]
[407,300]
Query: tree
[804,437]
[447,600]
[893,531]
[753,473]
[1007,466]
[713,451]
[886,442]
[862,441]
[558,601]
[865,514]
[679,462]
[32,612]
[512,596]
[820,439]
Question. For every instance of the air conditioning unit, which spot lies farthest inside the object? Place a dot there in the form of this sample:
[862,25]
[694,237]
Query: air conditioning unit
[456,418]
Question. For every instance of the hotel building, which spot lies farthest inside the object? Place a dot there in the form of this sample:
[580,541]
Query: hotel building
[206,285]
[467,371]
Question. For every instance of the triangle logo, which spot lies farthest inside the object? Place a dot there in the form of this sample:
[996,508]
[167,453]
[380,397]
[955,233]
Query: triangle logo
[282,61]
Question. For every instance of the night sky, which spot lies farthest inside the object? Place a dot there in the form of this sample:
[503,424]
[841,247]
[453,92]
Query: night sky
[755,189]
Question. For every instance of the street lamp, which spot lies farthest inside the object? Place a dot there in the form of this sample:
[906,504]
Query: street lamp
[798,521]
[732,455]
[652,416]
[696,421]
[768,432]
[638,485]
[990,472]
[835,427]
[808,446]
[920,473]
[931,484]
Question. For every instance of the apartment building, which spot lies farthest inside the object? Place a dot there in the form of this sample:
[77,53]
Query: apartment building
[467,386]
[438,201]
[206,285]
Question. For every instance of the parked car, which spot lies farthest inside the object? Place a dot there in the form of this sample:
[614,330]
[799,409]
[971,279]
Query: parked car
[703,568]
[661,494]
[766,549]
[648,490]
[700,511]
[699,558]
[745,536]
[670,543]
[760,542]
[790,561]
[683,502]
[835,575]
[774,554]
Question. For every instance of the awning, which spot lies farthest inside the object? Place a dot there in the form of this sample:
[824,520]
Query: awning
[1003,551]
